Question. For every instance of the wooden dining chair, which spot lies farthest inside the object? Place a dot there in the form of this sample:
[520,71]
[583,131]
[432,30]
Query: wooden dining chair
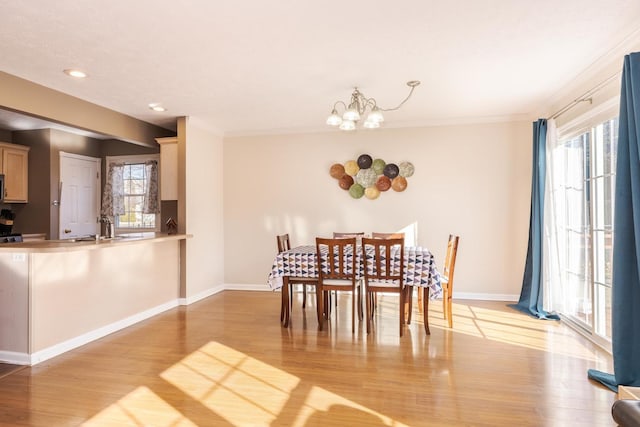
[376,235]
[343,235]
[337,271]
[382,274]
[446,278]
[284,244]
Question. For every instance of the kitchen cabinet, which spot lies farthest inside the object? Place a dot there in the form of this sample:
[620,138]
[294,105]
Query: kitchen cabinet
[14,165]
[168,168]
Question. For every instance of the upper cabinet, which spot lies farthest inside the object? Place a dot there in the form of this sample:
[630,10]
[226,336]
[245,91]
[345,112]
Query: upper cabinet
[168,168]
[14,165]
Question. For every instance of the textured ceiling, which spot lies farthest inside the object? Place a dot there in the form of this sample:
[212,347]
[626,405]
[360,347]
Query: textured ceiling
[251,66]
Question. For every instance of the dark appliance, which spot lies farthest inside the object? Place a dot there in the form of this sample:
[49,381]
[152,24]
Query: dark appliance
[11,238]
[6,222]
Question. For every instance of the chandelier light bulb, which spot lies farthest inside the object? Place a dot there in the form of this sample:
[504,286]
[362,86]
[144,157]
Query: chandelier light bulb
[375,116]
[334,119]
[348,125]
[351,114]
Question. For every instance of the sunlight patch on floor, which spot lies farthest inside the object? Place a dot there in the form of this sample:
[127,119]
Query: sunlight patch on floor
[511,327]
[245,391]
[236,387]
[141,407]
[323,408]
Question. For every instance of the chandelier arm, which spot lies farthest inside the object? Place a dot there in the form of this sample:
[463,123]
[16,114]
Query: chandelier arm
[370,102]
[340,102]
[401,104]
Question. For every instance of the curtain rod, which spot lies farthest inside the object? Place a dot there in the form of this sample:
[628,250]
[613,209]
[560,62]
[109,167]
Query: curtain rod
[586,96]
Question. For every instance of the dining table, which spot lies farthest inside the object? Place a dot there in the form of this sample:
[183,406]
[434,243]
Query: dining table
[302,262]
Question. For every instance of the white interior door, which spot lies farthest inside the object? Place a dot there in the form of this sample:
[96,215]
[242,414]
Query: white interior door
[79,195]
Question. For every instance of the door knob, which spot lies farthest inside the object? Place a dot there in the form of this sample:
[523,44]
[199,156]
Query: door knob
[67,231]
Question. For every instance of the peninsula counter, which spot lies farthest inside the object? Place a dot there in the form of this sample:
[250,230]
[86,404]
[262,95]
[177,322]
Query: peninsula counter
[58,295]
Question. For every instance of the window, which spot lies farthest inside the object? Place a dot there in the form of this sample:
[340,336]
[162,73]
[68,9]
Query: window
[583,168]
[131,193]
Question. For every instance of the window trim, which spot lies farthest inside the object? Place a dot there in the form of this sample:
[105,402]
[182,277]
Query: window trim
[136,159]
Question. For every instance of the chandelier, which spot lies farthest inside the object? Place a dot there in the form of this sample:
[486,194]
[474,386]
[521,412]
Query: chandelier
[358,107]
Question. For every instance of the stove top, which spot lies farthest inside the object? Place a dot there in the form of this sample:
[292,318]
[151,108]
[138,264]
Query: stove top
[11,238]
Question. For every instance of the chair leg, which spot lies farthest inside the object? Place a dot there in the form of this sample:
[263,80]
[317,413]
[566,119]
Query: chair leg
[291,289]
[409,303]
[285,310]
[445,295]
[353,311]
[420,293]
[403,293]
[425,310]
[319,307]
[304,296]
[282,303]
[449,310]
[369,313]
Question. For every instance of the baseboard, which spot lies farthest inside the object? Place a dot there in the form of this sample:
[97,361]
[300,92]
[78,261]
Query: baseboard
[486,297]
[246,287]
[14,358]
[456,295]
[55,350]
[202,295]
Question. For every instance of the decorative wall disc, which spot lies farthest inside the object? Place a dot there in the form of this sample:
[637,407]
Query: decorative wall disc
[369,178]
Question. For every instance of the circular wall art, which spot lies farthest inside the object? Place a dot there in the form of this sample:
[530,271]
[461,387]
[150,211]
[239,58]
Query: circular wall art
[364,161]
[369,178]
[406,169]
[356,191]
[366,177]
[371,193]
[383,183]
[345,182]
[378,166]
[391,170]
[399,183]
[351,168]
[336,171]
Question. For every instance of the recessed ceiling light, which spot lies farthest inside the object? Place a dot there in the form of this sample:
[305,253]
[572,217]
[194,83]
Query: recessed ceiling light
[75,73]
[156,106]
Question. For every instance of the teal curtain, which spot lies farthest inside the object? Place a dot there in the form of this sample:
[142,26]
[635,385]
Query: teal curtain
[531,298]
[626,238]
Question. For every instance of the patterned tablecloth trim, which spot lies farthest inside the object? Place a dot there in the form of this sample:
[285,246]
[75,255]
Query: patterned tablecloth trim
[419,267]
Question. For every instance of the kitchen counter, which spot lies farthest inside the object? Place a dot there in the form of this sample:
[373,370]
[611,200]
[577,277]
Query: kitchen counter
[88,243]
[58,295]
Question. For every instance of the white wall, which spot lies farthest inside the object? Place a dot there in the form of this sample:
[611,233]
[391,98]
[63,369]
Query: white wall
[472,180]
[204,214]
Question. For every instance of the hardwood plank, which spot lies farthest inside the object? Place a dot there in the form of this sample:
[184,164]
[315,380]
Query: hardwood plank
[226,361]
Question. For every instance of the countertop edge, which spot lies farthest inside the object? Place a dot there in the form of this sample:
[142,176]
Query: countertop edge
[43,246]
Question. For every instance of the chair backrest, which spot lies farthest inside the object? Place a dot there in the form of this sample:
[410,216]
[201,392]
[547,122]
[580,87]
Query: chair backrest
[387,235]
[379,259]
[450,258]
[358,236]
[283,242]
[337,235]
[336,259]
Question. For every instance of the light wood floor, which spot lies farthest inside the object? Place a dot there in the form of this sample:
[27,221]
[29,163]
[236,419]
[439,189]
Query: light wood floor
[225,361]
